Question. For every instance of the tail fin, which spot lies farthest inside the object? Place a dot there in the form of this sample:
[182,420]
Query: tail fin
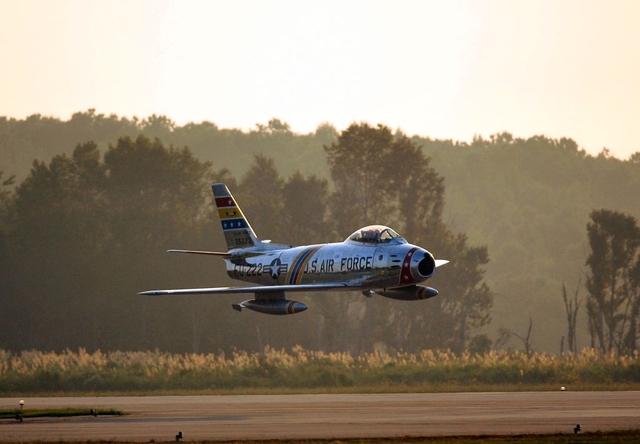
[237,231]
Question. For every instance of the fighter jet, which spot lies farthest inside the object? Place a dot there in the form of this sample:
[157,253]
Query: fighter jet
[373,260]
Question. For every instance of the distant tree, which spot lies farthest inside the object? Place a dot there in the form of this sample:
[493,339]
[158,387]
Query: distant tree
[274,126]
[87,234]
[53,245]
[5,194]
[613,282]
[159,198]
[260,192]
[386,179]
[290,212]
[571,308]
[504,334]
[326,134]
[359,170]
[362,196]
[7,270]
[466,297]
[306,201]
[156,126]
[418,193]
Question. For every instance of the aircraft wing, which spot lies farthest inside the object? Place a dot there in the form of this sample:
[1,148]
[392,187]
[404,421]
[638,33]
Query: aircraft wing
[256,289]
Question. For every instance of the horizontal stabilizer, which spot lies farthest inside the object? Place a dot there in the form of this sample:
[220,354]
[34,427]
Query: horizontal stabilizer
[213,253]
[441,262]
[237,257]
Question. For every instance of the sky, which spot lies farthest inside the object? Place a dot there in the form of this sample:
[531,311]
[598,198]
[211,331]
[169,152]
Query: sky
[440,69]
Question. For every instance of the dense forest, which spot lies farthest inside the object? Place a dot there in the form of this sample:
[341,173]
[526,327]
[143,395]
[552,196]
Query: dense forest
[88,206]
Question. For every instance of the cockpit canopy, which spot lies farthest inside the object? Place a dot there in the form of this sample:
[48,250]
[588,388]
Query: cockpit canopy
[376,234]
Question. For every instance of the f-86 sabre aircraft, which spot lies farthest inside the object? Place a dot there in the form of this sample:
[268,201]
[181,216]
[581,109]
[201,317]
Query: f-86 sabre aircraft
[373,260]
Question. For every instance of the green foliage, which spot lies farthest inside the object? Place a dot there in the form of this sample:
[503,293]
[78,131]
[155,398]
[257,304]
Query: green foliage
[306,200]
[528,201]
[78,245]
[369,168]
[260,194]
[358,169]
[614,281]
[40,137]
[86,235]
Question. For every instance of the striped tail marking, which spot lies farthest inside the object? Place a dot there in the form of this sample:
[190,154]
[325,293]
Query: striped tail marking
[237,231]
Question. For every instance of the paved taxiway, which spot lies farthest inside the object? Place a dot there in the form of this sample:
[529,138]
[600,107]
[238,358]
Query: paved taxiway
[159,418]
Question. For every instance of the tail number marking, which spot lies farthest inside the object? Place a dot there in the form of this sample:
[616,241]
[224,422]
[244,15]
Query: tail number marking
[244,240]
[248,270]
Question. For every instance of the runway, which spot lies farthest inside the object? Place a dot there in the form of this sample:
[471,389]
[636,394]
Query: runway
[225,418]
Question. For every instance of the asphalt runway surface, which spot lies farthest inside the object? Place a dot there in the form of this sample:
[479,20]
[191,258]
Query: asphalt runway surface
[224,418]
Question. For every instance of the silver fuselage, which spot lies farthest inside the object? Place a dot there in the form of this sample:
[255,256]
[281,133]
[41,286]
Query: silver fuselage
[372,266]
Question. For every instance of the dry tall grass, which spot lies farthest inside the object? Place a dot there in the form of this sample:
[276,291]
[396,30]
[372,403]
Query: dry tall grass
[36,371]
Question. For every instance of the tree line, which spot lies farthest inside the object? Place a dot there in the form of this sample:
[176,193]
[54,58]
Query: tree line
[526,200]
[82,234]
[529,200]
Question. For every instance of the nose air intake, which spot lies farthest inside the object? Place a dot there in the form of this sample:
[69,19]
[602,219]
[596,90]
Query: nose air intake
[427,265]
[419,265]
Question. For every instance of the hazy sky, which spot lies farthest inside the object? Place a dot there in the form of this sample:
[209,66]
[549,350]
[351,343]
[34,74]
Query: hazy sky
[444,69]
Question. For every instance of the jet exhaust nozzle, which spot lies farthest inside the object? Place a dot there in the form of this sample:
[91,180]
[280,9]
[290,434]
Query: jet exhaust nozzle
[272,307]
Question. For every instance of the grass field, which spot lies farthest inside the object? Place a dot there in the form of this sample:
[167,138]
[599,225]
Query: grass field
[55,413]
[306,371]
